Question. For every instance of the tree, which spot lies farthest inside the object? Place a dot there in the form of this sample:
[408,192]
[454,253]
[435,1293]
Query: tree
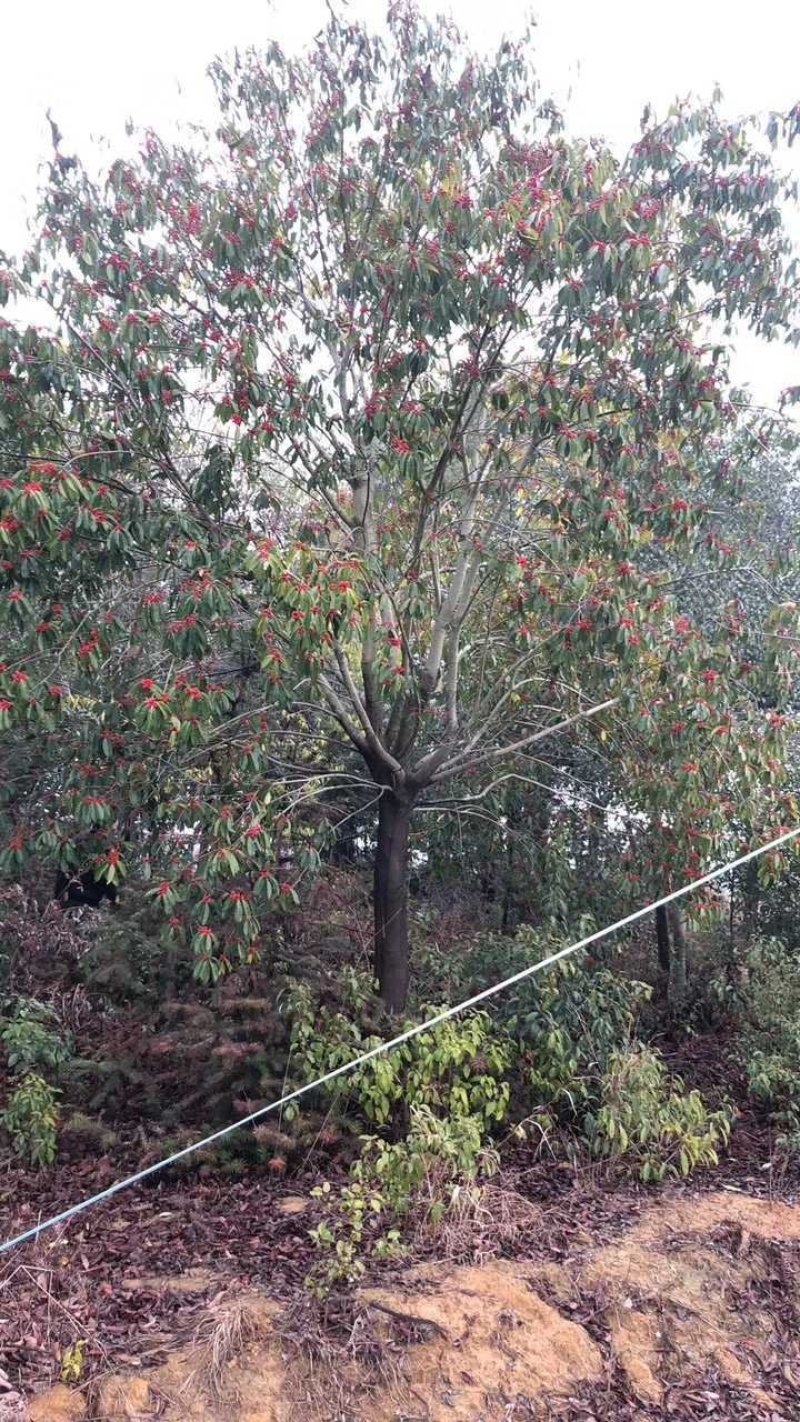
[359,427]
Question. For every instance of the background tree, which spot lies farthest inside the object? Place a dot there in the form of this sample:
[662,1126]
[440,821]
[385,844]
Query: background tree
[351,463]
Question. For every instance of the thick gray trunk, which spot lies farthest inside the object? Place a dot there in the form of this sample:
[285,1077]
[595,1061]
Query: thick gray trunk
[391,959]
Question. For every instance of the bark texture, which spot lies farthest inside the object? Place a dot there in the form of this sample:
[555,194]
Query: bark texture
[391,960]
[662,938]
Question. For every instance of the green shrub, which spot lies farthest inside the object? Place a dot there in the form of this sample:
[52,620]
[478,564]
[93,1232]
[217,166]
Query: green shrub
[422,1174]
[565,1041]
[589,1007]
[32,1045]
[30,1040]
[457,1069]
[436,1154]
[582,1067]
[438,1096]
[574,1018]
[647,1116]
[769,1004]
[566,1021]
[31,1120]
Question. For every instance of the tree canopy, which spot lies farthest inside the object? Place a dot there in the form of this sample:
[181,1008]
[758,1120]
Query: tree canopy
[353,472]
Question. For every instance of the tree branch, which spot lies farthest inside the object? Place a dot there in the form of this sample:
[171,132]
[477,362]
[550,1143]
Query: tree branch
[459,762]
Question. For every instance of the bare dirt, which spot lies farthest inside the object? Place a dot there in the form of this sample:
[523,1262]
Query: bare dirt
[688,1308]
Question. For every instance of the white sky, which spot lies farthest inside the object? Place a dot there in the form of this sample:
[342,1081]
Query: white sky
[97,64]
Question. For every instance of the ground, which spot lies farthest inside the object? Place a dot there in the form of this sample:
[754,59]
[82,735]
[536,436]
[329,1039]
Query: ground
[560,1292]
[554,1296]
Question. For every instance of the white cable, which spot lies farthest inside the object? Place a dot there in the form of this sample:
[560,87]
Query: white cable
[397,1041]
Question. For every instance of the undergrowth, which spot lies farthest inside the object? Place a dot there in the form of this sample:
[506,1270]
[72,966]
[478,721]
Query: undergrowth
[557,1059]
[33,1045]
[768,1004]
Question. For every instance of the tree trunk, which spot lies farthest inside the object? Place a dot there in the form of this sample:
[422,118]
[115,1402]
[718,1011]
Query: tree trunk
[391,901]
[679,960]
[751,897]
[507,920]
[662,938]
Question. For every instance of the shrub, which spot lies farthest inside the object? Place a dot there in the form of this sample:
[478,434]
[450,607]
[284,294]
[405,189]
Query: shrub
[566,1021]
[566,1037]
[647,1116]
[582,1066]
[579,1007]
[30,1039]
[437,1095]
[457,1069]
[769,999]
[31,1120]
[422,1174]
[436,1154]
[33,1045]
[575,1018]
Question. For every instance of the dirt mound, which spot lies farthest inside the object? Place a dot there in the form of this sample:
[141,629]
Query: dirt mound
[700,1285]
[476,1340]
[697,1288]
[698,1213]
[235,1369]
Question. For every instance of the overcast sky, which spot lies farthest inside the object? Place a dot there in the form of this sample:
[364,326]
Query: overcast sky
[97,64]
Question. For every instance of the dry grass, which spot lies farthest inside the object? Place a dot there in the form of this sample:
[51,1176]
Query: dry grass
[222,1335]
[481,1222]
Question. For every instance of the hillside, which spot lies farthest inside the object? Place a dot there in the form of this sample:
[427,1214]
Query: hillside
[547,1293]
[599,1305]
